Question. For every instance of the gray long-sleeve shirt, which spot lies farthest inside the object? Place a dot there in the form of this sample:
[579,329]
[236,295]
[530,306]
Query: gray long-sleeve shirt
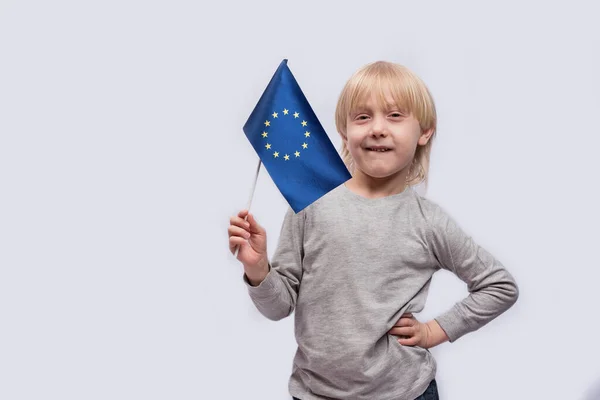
[350,266]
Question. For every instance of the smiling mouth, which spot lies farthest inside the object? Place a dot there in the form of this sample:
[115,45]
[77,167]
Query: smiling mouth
[378,149]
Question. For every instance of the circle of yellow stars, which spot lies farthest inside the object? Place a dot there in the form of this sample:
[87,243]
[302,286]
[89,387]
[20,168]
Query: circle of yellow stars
[265,135]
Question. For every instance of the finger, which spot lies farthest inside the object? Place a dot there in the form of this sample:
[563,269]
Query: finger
[405,322]
[243,213]
[402,331]
[237,231]
[234,242]
[254,225]
[407,315]
[237,221]
[408,342]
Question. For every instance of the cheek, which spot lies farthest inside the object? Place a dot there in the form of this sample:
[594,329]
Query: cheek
[354,138]
[354,146]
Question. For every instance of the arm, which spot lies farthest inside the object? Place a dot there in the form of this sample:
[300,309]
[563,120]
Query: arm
[275,292]
[492,289]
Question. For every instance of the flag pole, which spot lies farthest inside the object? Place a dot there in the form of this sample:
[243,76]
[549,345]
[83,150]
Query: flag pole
[237,248]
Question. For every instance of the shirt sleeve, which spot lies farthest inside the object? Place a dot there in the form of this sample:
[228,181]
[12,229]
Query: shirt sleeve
[275,297]
[492,289]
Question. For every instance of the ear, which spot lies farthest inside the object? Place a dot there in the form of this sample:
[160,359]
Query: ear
[425,136]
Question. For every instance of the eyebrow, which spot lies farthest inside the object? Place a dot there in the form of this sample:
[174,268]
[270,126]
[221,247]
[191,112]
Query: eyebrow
[388,107]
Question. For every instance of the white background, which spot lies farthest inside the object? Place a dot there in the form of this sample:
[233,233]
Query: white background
[122,158]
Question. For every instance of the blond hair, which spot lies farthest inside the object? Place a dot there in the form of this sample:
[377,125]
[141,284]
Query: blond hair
[409,93]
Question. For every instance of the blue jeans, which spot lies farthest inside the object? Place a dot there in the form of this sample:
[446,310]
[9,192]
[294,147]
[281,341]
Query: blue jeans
[430,394]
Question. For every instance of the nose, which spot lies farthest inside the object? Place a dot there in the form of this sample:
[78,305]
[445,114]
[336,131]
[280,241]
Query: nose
[378,127]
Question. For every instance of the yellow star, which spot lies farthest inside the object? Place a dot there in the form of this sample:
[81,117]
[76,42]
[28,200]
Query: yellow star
[286,157]
[274,115]
[303,123]
[307,134]
[265,134]
[268,146]
[297,154]
[296,115]
[285,111]
[276,154]
[267,123]
[304,145]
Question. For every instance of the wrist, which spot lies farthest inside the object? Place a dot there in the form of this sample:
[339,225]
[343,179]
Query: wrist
[435,335]
[256,274]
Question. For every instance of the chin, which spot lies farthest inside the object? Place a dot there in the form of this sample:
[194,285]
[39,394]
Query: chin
[381,172]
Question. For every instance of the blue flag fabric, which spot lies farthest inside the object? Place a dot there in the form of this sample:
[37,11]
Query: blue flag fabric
[292,144]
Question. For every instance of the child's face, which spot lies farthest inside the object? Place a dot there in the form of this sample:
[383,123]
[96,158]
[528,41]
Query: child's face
[376,125]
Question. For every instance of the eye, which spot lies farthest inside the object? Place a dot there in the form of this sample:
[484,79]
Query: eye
[396,115]
[361,117]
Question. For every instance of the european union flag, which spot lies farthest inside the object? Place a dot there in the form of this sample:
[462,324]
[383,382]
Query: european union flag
[292,144]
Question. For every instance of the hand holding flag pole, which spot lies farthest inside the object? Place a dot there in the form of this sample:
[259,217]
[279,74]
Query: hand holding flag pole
[237,248]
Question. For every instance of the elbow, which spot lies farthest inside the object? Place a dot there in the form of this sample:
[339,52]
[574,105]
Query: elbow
[277,314]
[510,289]
[515,294]
[511,294]
[276,317]
[506,294]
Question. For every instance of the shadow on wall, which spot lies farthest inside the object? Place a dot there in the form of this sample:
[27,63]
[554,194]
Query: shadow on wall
[593,392]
